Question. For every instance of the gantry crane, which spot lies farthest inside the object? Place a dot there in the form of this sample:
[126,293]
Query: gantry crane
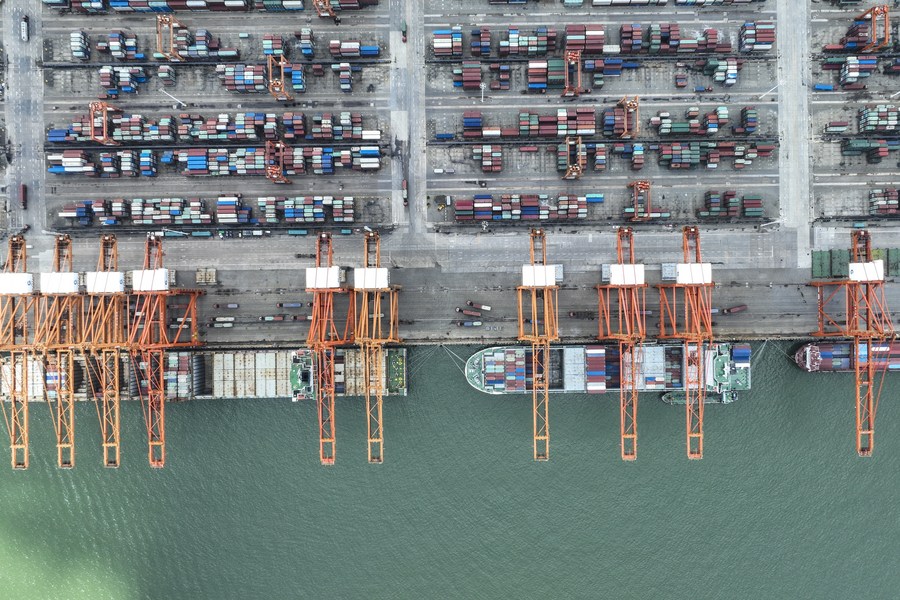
[166,47]
[539,324]
[631,106]
[149,339]
[16,305]
[627,326]
[57,330]
[377,324]
[275,161]
[98,114]
[641,200]
[102,343]
[867,322]
[694,327]
[575,157]
[277,86]
[325,335]
[877,15]
[324,8]
[573,85]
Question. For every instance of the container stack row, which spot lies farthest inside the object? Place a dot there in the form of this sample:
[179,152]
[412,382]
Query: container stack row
[880,118]
[595,369]
[167,6]
[306,209]
[79,45]
[242,78]
[539,42]
[114,79]
[884,202]
[514,207]
[448,43]
[353,49]
[757,36]
[489,157]
[728,204]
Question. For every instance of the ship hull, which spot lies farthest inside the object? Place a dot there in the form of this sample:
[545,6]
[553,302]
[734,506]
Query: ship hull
[837,357]
[599,368]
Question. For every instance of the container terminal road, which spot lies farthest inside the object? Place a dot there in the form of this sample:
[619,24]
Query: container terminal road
[261,176]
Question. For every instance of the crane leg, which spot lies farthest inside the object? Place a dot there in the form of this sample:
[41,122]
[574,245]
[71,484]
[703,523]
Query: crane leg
[325,403]
[155,407]
[109,409]
[694,388]
[865,407]
[17,418]
[374,369]
[65,411]
[541,400]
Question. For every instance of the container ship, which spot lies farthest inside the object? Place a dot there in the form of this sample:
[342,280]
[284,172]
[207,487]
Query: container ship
[596,369]
[837,357]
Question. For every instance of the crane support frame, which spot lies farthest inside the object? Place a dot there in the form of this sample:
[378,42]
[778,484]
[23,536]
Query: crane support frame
[627,325]
[692,324]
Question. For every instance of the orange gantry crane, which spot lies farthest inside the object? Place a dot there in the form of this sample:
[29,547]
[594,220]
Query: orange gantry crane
[576,157]
[627,325]
[165,37]
[56,332]
[377,324]
[867,321]
[539,324]
[641,200]
[879,21]
[16,304]
[324,8]
[573,85]
[274,158]
[103,340]
[325,335]
[692,323]
[149,339]
[277,86]
[632,126]
[98,114]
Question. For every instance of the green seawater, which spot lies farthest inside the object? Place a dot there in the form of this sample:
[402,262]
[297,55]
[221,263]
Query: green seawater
[780,507]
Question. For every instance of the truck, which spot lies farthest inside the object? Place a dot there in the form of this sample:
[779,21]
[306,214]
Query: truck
[582,314]
[272,318]
[23,196]
[403,30]
[823,87]
[484,307]
[734,309]
[468,323]
[467,312]
[224,319]
[223,324]
[405,194]
[230,305]
[292,304]
[23,28]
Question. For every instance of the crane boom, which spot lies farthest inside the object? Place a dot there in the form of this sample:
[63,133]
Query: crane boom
[324,337]
[628,327]
[378,324]
[16,306]
[867,322]
[537,304]
[693,325]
